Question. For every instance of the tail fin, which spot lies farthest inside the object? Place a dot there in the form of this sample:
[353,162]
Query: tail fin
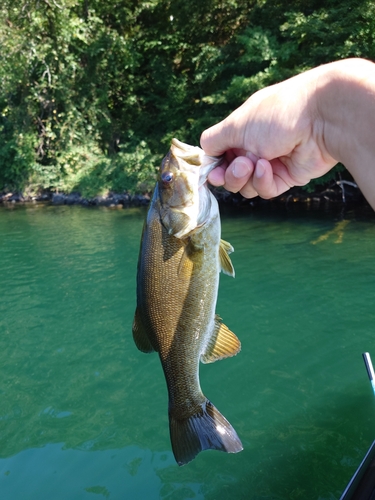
[206,430]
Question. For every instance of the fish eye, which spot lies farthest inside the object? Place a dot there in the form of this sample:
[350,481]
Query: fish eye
[167,177]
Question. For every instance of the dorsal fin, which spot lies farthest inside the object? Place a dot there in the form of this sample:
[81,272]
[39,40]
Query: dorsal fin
[226,265]
[140,335]
[222,344]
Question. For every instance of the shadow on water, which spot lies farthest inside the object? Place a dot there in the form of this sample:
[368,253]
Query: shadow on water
[309,458]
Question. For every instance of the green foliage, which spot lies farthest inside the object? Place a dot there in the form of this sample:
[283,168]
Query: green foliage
[131,170]
[92,92]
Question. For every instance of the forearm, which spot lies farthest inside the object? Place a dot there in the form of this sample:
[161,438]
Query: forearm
[346,107]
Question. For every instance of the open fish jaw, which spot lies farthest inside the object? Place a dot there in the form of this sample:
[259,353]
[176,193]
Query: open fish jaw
[193,156]
[185,198]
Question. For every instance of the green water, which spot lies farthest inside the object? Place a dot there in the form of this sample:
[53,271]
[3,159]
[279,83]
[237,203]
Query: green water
[83,414]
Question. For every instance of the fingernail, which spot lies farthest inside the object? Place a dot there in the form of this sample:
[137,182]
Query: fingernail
[240,169]
[259,169]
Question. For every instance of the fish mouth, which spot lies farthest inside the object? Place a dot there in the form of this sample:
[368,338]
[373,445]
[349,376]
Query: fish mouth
[185,199]
[210,162]
[195,156]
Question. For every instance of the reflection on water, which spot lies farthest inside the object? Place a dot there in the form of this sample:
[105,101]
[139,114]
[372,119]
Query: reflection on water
[129,472]
[83,413]
[337,233]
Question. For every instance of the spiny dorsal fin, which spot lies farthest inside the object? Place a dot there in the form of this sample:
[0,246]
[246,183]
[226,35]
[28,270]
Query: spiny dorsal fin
[222,344]
[140,335]
[226,248]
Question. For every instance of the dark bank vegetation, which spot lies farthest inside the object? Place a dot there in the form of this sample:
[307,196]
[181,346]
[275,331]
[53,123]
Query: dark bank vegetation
[92,91]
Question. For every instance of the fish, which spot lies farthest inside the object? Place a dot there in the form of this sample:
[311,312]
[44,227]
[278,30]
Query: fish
[180,259]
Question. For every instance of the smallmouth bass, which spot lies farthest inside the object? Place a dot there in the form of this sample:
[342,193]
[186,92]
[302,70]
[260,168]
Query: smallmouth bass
[180,259]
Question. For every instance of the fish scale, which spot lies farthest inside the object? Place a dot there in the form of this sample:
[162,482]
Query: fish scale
[180,259]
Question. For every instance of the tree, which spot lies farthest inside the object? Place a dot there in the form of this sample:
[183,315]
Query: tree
[92,92]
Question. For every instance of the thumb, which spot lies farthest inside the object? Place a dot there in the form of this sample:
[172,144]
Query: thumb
[228,134]
[211,140]
[216,140]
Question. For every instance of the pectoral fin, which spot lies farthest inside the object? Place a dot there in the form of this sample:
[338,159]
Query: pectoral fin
[140,335]
[191,259]
[186,265]
[222,344]
[225,262]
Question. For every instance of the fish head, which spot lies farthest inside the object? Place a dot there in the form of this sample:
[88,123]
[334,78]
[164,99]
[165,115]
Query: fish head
[182,186]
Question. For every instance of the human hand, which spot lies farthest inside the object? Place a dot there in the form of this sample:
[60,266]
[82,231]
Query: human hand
[274,141]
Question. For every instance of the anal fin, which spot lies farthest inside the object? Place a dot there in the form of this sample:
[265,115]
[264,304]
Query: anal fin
[140,335]
[222,344]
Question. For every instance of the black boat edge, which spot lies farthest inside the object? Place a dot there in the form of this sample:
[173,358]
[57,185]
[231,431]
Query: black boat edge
[362,484]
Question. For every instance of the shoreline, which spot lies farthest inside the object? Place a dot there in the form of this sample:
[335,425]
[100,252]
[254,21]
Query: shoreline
[337,194]
[110,200]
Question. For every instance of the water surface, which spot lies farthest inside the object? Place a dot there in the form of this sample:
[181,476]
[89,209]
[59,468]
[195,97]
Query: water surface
[83,414]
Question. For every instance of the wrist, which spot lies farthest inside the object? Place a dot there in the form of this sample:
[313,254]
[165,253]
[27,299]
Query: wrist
[345,104]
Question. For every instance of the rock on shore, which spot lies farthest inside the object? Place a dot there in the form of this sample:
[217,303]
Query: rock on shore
[109,200]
